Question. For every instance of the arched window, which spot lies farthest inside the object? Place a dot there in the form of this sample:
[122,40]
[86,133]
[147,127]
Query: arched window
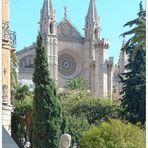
[51,28]
[96,33]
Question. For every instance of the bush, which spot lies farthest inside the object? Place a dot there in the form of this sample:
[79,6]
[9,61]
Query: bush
[21,93]
[113,134]
[22,108]
[81,103]
[97,110]
[76,126]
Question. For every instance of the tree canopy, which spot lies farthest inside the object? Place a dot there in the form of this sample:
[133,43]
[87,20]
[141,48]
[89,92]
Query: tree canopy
[134,79]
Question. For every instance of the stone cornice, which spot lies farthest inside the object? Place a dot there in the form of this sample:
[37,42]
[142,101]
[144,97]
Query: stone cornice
[26,70]
[31,47]
[62,38]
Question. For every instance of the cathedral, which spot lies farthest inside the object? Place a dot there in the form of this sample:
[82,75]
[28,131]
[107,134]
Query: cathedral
[69,53]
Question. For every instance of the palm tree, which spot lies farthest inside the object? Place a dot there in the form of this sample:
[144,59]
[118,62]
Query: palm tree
[137,41]
[14,73]
[76,84]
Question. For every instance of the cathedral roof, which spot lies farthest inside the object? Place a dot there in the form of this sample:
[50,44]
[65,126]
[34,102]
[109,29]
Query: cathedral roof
[67,31]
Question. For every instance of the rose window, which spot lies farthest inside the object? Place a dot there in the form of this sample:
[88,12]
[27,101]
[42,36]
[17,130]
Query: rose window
[66,64]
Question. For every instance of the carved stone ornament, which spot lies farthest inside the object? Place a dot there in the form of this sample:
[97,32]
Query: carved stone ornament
[5,30]
[5,1]
[66,29]
[5,93]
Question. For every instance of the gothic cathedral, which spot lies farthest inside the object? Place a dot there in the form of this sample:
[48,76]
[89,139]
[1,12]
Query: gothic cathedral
[70,54]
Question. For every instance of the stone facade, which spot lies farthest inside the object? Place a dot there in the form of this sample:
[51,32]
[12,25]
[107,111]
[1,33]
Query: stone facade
[70,54]
[119,69]
[6,52]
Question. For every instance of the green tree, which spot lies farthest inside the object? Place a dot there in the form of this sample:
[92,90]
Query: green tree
[13,74]
[75,126]
[113,134]
[47,115]
[21,92]
[134,79]
[138,40]
[21,117]
[96,111]
[21,121]
[76,84]
[82,104]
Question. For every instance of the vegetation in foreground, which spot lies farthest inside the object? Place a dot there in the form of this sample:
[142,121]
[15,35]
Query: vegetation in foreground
[47,117]
[113,134]
[134,79]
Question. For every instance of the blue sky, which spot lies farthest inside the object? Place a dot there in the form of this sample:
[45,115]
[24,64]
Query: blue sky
[25,15]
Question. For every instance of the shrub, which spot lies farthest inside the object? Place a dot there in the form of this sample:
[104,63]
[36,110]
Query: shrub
[81,103]
[22,108]
[113,134]
[76,126]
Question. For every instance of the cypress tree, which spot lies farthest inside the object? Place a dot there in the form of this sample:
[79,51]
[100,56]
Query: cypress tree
[134,80]
[47,116]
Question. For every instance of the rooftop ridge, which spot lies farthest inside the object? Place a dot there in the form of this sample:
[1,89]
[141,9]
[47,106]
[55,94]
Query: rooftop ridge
[30,47]
[68,20]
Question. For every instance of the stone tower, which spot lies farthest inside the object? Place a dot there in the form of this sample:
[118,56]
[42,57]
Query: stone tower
[48,29]
[122,58]
[92,34]
[120,68]
[98,67]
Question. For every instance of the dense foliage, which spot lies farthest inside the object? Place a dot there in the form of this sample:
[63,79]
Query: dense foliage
[113,134]
[21,93]
[83,104]
[46,108]
[137,40]
[75,127]
[76,84]
[82,110]
[21,121]
[134,79]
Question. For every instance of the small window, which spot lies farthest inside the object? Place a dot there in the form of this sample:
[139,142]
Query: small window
[51,28]
[96,33]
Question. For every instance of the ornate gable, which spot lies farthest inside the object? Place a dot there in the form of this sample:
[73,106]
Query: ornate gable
[67,32]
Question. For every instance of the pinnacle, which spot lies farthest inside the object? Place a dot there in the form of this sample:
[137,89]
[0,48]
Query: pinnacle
[47,6]
[92,11]
[65,12]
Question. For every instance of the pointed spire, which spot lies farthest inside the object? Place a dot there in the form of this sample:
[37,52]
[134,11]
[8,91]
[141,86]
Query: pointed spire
[92,23]
[92,11]
[47,7]
[48,16]
[65,12]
